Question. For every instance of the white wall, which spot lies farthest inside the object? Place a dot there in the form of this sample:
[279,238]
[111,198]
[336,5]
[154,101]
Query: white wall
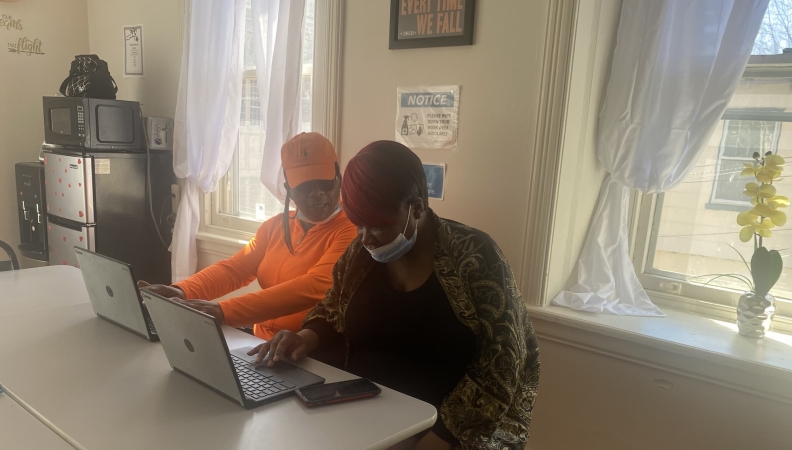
[162,36]
[486,184]
[62,28]
[596,402]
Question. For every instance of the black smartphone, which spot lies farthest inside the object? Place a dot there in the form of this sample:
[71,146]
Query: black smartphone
[325,394]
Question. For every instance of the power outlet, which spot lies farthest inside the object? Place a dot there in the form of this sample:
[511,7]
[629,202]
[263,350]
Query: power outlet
[175,197]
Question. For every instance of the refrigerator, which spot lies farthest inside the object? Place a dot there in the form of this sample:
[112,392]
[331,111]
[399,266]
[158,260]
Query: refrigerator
[100,202]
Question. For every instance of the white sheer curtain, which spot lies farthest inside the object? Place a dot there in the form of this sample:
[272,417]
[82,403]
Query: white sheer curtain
[675,68]
[207,113]
[277,29]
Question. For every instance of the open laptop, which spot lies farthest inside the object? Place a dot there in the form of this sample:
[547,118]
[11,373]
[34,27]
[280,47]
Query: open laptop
[195,346]
[114,294]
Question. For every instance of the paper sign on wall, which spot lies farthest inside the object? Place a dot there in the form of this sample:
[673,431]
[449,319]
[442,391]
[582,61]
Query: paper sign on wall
[101,166]
[435,180]
[427,116]
[133,51]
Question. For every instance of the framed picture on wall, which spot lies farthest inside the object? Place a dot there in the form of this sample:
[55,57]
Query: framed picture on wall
[431,23]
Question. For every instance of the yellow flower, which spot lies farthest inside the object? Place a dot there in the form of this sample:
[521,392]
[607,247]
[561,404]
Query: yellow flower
[765,214]
[767,191]
[767,174]
[761,228]
[779,201]
[774,167]
[751,190]
[750,169]
[774,160]
[777,217]
[746,218]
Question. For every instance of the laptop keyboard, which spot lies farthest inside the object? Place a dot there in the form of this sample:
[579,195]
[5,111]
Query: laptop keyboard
[259,385]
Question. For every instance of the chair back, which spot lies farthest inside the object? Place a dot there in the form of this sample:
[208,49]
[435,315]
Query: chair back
[12,263]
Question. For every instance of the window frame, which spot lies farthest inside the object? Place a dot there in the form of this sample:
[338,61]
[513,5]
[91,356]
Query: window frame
[324,115]
[663,288]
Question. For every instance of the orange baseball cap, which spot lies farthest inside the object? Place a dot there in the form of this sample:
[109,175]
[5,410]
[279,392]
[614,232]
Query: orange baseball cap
[306,157]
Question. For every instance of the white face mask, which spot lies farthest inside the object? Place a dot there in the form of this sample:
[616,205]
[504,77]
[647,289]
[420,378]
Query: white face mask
[305,219]
[398,248]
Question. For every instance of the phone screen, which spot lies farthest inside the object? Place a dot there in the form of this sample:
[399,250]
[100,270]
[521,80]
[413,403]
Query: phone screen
[352,388]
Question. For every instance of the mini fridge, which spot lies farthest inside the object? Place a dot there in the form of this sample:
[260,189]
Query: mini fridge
[100,202]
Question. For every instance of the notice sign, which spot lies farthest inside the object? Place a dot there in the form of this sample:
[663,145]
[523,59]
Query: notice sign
[435,180]
[427,116]
[133,51]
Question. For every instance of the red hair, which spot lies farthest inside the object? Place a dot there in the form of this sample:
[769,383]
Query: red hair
[379,180]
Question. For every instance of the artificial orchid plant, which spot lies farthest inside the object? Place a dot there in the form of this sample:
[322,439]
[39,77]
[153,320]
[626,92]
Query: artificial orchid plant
[758,222]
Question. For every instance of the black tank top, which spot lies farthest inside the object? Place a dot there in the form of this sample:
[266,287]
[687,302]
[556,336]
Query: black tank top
[411,342]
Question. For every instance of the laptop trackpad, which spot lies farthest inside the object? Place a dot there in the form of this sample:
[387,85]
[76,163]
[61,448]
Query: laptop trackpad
[242,353]
[282,369]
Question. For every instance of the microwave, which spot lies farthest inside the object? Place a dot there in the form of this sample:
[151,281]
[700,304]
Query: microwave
[93,124]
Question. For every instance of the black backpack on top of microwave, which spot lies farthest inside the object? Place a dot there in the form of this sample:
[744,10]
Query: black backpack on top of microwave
[89,77]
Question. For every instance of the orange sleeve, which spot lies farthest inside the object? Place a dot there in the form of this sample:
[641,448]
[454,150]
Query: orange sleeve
[293,296]
[233,273]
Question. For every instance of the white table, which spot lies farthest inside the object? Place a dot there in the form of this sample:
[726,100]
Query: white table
[108,388]
[21,431]
[41,288]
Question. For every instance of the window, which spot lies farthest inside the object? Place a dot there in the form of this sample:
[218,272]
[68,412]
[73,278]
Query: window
[740,140]
[241,201]
[685,235]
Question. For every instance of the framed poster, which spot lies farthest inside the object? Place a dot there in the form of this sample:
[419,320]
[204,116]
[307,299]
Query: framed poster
[431,23]
[133,51]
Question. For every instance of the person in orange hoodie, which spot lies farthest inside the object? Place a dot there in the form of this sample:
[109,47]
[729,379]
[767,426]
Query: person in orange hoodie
[292,255]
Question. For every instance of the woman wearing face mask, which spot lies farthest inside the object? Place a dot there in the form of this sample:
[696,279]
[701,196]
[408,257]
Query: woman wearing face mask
[291,256]
[426,306]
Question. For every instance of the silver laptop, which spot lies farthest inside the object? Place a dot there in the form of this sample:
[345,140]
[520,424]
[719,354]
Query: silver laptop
[114,294]
[195,346]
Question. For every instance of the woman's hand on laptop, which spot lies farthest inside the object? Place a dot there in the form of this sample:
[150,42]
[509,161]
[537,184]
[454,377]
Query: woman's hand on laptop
[161,289]
[211,308]
[294,346]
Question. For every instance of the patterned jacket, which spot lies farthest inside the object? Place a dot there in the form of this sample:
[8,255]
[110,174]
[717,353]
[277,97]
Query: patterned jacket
[491,406]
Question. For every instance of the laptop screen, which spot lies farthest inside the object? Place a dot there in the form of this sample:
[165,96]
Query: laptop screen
[193,344]
[111,288]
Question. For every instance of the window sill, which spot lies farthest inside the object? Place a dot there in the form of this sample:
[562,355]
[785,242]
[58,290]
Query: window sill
[220,242]
[683,343]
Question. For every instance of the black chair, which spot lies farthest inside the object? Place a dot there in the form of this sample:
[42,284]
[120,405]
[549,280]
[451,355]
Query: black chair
[12,263]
